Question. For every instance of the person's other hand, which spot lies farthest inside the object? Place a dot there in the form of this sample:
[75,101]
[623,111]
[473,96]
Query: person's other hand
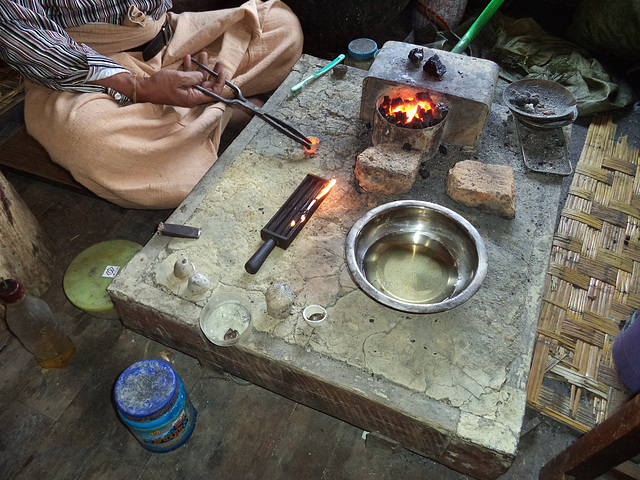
[175,87]
[170,87]
[213,83]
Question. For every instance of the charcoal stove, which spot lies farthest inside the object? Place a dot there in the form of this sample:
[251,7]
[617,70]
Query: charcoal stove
[415,121]
[467,87]
[407,130]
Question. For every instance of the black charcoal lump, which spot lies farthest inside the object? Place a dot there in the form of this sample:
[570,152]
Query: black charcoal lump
[434,67]
[416,55]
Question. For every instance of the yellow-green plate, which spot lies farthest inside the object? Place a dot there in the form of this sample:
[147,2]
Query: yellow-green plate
[92,271]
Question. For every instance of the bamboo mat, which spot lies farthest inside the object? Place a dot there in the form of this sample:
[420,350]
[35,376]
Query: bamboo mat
[592,285]
[11,88]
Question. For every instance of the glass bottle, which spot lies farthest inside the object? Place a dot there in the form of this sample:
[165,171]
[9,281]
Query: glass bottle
[30,319]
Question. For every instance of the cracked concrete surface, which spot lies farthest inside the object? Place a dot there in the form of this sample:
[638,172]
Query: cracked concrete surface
[467,366]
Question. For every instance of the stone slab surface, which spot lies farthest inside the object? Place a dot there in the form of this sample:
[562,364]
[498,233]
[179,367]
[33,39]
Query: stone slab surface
[461,374]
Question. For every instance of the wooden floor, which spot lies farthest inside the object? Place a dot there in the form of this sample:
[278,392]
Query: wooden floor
[62,424]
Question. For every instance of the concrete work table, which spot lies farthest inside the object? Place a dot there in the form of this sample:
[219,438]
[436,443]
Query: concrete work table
[448,386]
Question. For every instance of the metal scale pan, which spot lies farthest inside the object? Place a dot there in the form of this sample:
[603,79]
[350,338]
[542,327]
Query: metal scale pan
[544,111]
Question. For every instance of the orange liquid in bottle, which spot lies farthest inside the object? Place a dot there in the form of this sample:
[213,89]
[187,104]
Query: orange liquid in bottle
[61,360]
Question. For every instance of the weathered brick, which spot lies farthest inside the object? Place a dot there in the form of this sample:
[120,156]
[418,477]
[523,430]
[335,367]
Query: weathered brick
[387,170]
[490,188]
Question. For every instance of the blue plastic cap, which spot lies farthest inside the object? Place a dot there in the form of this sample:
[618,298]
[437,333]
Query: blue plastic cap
[363,48]
[145,388]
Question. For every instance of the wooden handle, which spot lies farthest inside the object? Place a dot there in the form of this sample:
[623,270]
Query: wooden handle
[255,262]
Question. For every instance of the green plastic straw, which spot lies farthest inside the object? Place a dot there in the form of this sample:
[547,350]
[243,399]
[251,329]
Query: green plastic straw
[478,25]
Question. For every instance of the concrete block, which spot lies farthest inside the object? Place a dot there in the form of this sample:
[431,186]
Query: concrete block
[490,188]
[387,170]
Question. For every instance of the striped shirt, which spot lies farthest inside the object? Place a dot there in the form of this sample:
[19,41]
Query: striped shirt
[33,40]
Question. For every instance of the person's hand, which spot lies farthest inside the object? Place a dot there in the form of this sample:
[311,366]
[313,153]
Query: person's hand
[170,87]
[175,87]
[213,83]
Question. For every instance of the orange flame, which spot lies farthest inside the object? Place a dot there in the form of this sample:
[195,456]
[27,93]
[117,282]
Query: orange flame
[320,194]
[326,189]
[411,108]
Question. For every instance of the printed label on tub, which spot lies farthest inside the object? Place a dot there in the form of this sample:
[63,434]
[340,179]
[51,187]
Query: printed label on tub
[111,271]
[172,433]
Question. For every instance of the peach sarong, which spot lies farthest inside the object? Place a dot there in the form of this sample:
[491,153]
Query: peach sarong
[151,156]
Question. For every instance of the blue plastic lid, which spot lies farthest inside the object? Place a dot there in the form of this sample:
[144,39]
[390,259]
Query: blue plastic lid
[363,48]
[145,388]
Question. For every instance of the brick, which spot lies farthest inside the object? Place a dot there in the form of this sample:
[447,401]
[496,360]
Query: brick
[490,188]
[387,170]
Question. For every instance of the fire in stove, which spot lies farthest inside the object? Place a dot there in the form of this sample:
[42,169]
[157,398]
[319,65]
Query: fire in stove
[412,120]
[415,112]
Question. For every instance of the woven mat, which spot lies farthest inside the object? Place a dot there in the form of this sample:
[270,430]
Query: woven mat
[592,285]
[11,88]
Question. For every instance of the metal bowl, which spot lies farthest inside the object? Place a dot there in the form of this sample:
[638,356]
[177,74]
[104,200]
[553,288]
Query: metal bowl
[554,103]
[416,256]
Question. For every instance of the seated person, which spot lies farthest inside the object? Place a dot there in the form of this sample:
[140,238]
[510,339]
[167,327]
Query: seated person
[110,85]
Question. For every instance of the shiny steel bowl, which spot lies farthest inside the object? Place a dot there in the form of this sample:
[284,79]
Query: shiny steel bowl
[416,256]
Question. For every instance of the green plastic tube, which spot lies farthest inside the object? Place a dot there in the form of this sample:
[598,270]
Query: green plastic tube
[478,25]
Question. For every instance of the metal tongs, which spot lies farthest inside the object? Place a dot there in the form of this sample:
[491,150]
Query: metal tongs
[239,99]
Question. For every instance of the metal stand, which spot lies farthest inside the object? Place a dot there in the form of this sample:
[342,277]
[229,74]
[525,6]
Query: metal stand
[545,150]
